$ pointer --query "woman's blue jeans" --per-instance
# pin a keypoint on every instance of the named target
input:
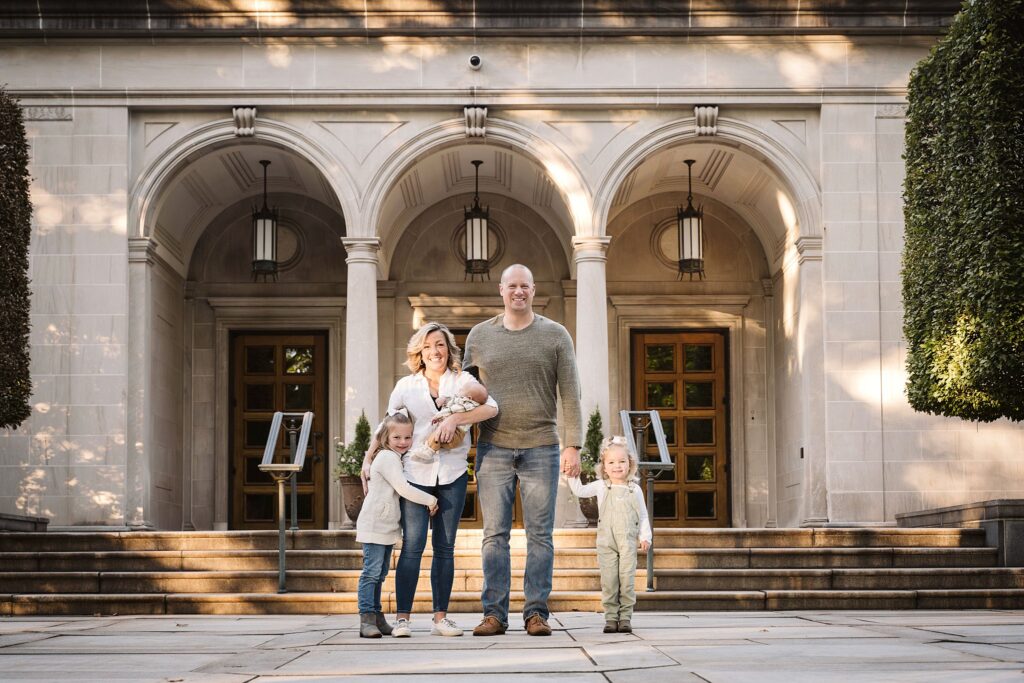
(451, 498)
(376, 560)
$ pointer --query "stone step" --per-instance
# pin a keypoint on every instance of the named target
(560, 601)
(565, 558)
(342, 581)
(470, 539)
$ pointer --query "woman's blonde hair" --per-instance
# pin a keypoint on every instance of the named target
(617, 442)
(383, 433)
(419, 340)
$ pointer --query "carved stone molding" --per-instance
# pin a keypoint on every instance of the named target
(47, 114)
(245, 121)
(891, 111)
(476, 122)
(707, 120)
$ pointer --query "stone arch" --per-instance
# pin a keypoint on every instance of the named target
(795, 176)
(566, 176)
(150, 186)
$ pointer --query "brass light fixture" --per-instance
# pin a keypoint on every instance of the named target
(264, 237)
(477, 235)
(690, 227)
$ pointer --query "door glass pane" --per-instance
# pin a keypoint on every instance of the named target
(259, 507)
(256, 433)
(700, 468)
(668, 426)
(253, 474)
(699, 394)
(298, 360)
(306, 475)
(304, 503)
(298, 397)
(661, 358)
(700, 504)
(700, 430)
(698, 358)
(665, 475)
(665, 505)
(661, 395)
(259, 397)
(259, 360)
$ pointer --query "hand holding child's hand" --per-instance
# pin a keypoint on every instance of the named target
(432, 509)
(645, 546)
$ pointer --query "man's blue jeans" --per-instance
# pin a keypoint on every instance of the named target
(451, 499)
(376, 559)
(497, 470)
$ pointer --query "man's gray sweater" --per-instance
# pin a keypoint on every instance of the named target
(522, 369)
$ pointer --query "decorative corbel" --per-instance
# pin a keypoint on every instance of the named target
(245, 121)
(707, 120)
(476, 122)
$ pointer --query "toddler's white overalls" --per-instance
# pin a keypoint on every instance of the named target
(618, 526)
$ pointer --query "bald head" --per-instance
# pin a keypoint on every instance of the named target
(516, 271)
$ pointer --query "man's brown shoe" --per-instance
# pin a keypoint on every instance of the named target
(490, 626)
(536, 625)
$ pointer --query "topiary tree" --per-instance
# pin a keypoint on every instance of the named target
(963, 263)
(592, 444)
(15, 231)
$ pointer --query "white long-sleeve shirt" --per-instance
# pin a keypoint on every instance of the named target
(412, 393)
(599, 488)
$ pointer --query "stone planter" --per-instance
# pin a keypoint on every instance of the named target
(351, 496)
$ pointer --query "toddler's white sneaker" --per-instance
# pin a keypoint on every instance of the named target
(445, 627)
(401, 629)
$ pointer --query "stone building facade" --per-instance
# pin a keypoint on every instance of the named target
(156, 356)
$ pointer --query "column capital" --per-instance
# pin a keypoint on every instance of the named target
(590, 248)
(361, 249)
(141, 250)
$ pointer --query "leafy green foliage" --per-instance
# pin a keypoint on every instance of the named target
(15, 232)
(349, 458)
(963, 263)
(591, 445)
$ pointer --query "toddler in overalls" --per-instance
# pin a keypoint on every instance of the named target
(622, 528)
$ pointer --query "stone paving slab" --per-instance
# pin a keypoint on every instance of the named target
(726, 647)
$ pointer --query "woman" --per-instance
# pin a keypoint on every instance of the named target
(435, 362)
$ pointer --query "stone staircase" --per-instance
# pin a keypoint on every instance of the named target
(712, 569)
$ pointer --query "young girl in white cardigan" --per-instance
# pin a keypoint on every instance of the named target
(378, 527)
(622, 527)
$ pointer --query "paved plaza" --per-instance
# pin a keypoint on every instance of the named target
(983, 646)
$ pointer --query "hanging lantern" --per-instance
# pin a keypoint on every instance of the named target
(690, 226)
(478, 246)
(264, 237)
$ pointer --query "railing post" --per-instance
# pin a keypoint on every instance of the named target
(640, 428)
(293, 436)
(281, 587)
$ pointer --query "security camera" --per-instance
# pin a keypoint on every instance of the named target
(475, 62)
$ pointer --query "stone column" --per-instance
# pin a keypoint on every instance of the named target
(361, 383)
(591, 254)
(811, 342)
(138, 489)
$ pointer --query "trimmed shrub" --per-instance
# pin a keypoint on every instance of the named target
(15, 231)
(963, 262)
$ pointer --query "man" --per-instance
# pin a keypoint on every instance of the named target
(527, 363)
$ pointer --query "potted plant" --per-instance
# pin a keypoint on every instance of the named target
(348, 463)
(588, 461)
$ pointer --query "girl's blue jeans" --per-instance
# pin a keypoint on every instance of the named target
(376, 560)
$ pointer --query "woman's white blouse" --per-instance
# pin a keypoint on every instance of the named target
(412, 393)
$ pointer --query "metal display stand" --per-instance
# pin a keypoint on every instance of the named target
(298, 439)
(634, 425)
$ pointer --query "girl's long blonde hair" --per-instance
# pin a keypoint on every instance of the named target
(383, 433)
(419, 339)
(617, 442)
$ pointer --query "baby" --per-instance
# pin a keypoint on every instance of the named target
(472, 395)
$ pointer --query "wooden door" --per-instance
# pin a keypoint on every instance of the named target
(269, 373)
(683, 376)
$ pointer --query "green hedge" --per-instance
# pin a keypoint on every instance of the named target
(963, 262)
(15, 230)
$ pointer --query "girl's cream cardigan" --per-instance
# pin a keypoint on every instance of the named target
(380, 517)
